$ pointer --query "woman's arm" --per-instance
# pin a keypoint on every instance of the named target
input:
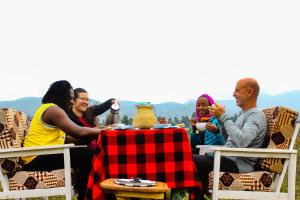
(58, 117)
(95, 110)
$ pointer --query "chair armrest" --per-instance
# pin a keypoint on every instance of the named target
(203, 149)
(254, 152)
(37, 150)
(79, 146)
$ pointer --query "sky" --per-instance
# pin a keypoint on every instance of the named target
(156, 51)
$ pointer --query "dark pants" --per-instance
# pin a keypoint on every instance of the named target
(205, 165)
(81, 158)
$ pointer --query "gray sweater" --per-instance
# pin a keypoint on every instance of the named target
(249, 130)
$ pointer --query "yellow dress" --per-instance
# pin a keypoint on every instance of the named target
(42, 134)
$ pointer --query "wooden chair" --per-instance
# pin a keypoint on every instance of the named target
(20, 184)
(276, 158)
(125, 192)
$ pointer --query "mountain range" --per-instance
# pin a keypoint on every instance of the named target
(170, 109)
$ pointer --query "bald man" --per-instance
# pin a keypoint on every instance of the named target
(248, 130)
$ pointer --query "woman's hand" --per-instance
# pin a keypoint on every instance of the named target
(211, 127)
(115, 101)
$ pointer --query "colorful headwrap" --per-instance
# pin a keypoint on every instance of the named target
(210, 101)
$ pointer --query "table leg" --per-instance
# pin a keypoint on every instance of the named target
(168, 194)
(122, 198)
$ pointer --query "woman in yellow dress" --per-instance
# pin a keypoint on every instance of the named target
(48, 126)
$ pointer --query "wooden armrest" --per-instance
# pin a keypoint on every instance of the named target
(254, 152)
(37, 150)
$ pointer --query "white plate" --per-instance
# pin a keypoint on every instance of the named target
(162, 125)
(122, 127)
(131, 183)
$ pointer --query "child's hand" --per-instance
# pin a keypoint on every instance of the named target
(211, 127)
(193, 121)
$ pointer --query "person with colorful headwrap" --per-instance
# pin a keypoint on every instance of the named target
(248, 131)
(212, 134)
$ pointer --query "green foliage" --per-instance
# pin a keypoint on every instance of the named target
(285, 183)
(130, 121)
(125, 120)
(176, 120)
(186, 121)
(298, 169)
(194, 114)
(170, 121)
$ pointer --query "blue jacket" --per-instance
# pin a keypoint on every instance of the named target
(206, 137)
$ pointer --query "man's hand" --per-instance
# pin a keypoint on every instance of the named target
(217, 110)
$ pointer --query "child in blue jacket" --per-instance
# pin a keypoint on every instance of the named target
(212, 134)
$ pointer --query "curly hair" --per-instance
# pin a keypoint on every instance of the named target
(59, 93)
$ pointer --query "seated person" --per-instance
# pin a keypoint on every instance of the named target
(248, 130)
(48, 126)
(84, 115)
(163, 120)
(212, 134)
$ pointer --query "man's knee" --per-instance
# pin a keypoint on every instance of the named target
(203, 163)
(201, 158)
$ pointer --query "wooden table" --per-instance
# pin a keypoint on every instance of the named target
(125, 192)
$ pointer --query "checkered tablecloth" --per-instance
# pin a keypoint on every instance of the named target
(160, 155)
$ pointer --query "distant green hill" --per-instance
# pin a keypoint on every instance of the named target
(170, 109)
(26, 104)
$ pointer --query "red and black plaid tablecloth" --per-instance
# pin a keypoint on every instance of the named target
(160, 154)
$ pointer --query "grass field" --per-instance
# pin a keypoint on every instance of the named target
(284, 188)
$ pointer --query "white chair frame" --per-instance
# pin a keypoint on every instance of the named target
(290, 163)
(38, 150)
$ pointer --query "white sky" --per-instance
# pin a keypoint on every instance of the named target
(153, 51)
